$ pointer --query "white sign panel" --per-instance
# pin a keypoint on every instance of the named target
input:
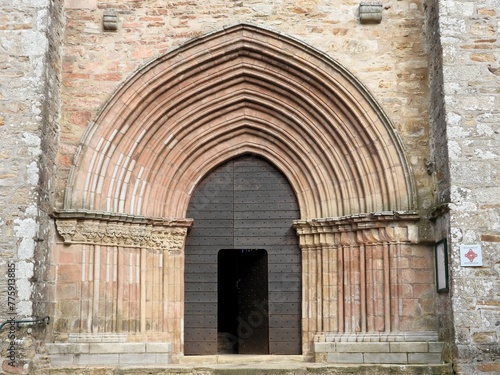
(471, 256)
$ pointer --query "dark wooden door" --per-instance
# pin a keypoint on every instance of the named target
(243, 204)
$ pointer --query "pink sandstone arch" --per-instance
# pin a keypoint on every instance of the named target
(236, 91)
(241, 90)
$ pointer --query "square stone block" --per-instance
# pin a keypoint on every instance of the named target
(158, 347)
(97, 359)
(409, 347)
(385, 358)
(162, 359)
(436, 347)
(423, 358)
(61, 359)
(67, 348)
(126, 347)
(344, 358)
(362, 347)
(324, 347)
(143, 359)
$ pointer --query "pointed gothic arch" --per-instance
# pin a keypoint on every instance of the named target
(241, 90)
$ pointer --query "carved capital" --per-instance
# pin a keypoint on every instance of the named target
(66, 229)
(382, 227)
(118, 230)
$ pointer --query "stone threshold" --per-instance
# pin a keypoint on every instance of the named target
(240, 359)
(263, 368)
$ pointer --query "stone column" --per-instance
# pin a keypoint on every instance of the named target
(364, 274)
(310, 290)
(120, 275)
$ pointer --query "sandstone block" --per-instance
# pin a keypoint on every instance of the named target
(385, 358)
(436, 347)
(409, 347)
(163, 359)
(97, 359)
(144, 358)
(344, 358)
(424, 358)
(362, 347)
(128, 347)
(67, 348)
(158, 347)
(323, 347)
(492, 367)
(61, 359)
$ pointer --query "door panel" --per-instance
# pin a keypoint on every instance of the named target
(245, 203)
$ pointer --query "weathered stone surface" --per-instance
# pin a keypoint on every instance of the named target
(29, 108)
(471, 99)
(258, 368)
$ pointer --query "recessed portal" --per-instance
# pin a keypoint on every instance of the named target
(242, 314)
(242, 280)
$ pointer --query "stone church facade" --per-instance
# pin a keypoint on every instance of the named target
(346, 150)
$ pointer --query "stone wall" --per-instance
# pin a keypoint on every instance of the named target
(389, 58)
(44, 285)
(28, 110)
(437, 165)
(469, 39)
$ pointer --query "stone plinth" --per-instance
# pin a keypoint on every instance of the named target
(109, 350)
(402, 348)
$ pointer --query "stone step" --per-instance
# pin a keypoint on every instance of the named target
(240, 359)
(253, 368)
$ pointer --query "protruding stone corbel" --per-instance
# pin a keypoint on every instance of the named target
(377, 227)
(370, 13)
(110, 20)
(67, 229)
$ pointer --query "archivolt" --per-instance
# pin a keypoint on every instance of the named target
(241, 90)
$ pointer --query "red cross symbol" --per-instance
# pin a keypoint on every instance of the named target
(471, 255)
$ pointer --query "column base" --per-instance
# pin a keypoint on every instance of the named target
(379, 348)
(108, 350)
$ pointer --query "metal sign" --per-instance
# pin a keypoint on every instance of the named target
(471, 256)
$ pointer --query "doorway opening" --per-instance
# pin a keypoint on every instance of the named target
(243, 206)
(242, 313)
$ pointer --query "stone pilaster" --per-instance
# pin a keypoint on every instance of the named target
(361, 274)
(120, 274)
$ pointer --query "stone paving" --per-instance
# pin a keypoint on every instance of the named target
(258, 365)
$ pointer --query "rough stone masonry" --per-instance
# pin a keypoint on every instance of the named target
(468, 37)
(29, 113)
